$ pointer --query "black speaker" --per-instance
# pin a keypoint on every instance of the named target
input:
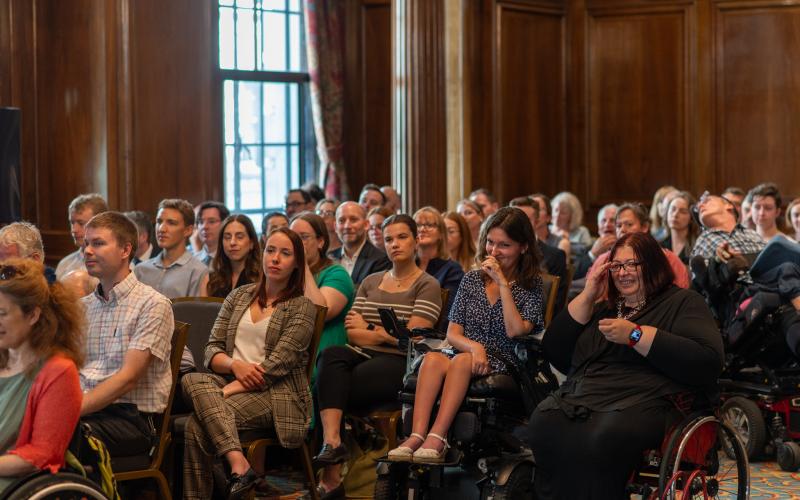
(9, 166)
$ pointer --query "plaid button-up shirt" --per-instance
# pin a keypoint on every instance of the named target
(742, 240)
(134, 317)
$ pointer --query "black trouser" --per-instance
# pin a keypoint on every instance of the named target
(348, 381)
(593, 458)
(122, 429)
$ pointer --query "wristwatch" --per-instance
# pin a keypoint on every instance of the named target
(635, 336)
(370, 326)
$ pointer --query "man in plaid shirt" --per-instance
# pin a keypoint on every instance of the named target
(723, 236)
(126, 378)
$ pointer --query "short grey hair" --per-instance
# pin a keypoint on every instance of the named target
(26, 237)
(606, 207)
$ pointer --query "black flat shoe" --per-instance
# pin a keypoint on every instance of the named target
(335, 493)
(239, 486)
(329, 455)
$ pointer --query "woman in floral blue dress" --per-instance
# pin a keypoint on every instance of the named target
(494, 305)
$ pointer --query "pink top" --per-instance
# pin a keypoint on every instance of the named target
(51, 415)
(678, 268)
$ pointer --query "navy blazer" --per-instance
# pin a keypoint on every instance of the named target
(370, 260)
(448, 273)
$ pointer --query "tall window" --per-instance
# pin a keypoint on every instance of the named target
(269, 140)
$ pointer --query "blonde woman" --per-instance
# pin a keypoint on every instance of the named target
(459, 243)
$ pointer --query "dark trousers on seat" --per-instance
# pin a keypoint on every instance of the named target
(123, 430)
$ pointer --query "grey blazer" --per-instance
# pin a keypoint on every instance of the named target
(286, 349)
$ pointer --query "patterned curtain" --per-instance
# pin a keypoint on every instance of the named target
(325, 47)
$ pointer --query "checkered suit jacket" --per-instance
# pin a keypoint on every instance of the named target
(286, 349)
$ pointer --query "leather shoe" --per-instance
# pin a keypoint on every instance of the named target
(239, 486)
(335, 493)
(329, 455)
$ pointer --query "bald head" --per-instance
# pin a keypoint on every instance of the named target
(351, 224)
(79, 282)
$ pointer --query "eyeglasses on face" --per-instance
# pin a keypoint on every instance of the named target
(426, 225)
(294, 204)
(326, 213)
(629, 266)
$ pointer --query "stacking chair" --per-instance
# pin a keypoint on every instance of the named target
(254, 441)
(149, 466)
(550, 292)
(200, 313)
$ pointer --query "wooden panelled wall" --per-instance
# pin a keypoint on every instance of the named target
(607, 98)
(117, 97)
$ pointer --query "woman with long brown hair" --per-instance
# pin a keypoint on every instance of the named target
(459, 241)
(257, 356)
(238, 258)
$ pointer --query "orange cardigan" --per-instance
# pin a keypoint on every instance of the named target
(51, 415)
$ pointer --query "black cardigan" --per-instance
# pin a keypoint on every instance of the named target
(686, 355)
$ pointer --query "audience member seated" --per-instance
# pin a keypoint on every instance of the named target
(606, 237)
(553, 260)
(473, 214)
(371, 375)
(375, 218)
(567, 220)
(542, 228)
(432, 254)
(297, 201)
(766, 210)
(146, 245)
(357, 255)
(209, 222)
(40, 394)
(722, 235)
(393, 201)
(493, 306)
(313, 190)
(371, 197)
(174, 272)
(633, 218)
(459, 241)
(126, 378)
(736, 196)
(326, 283)
(793, 218)
(326, 208)
(683, 229)
(746, 219)
(658, 212)
(237, 261)
(625, 357)
(79, 283)
(81, 209)
(257, 354)
(24, 241)
(485, 200)
(271, 222)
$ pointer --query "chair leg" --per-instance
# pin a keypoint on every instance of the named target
(309, 470)
(163, 486)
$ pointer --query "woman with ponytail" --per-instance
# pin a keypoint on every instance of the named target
(41, 348)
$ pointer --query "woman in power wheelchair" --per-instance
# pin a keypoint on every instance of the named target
(41, 344)
(625, 359)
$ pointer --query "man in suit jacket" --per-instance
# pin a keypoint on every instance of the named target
(357, 254)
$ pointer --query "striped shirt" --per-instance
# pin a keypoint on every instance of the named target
(134, 317)
(422, 299)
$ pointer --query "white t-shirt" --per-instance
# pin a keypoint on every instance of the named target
(250, 339)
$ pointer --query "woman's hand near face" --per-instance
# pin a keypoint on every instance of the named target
(250, 375)
(596, 282)
(480, 362)
(491, 267)
(616, 330)
(354, 321)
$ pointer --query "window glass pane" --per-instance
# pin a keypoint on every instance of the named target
(249, 116)
(274, 4)
(294, 113)
(294, 42)
(227, 40)
(250, 175)
(245, 34)
(230, 180)
(276, 174)
(275, 112)
(294, 151)
(294, 5)
(228, 110)
(226, 2)
(244, 3)
(274, 53)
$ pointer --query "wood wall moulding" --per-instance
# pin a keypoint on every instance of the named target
(757, 90)
(529, 120)
(639, 84)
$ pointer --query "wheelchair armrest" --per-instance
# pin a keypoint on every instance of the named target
(428, 333)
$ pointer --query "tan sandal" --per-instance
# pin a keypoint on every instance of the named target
(429, 455)
(404, 453)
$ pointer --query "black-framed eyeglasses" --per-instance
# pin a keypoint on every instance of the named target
(8, 272)
(629, 266)
(326, 213)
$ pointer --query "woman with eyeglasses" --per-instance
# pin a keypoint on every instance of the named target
(626, 357)
(326, 208)
(432, 254)
(41, 348)
(238, 258)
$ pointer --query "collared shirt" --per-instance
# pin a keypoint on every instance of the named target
(145, 256)
(182, 278)
(134, 317)
(70, 263)
(349, 263)
(204, 256)
(741, 239)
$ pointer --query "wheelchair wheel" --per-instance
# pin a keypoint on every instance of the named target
(61, 486)
(789, 456)
(518, 485)
(693, 468)
(390, 484)
(746, 419)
